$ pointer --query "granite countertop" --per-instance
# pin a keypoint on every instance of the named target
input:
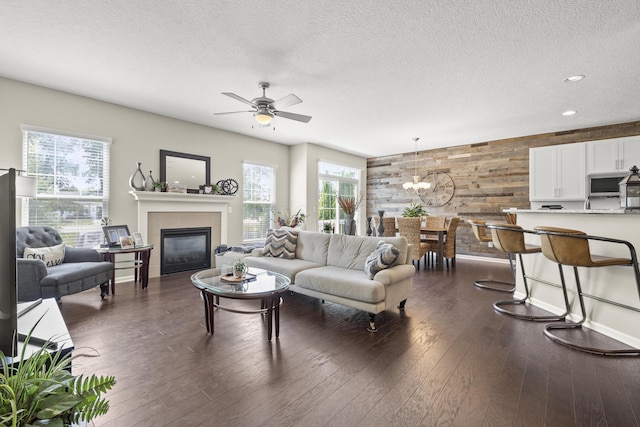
(576, 211)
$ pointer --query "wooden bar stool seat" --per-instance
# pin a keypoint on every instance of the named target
(571, 248)
(510, 239)
(479, 228)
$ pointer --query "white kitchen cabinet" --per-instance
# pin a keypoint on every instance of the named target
(613, 155)
(557, 172)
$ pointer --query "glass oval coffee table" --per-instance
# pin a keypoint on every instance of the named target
(262, 285)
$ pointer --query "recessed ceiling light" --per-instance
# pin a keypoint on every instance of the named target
(569, 113)
(574, 79)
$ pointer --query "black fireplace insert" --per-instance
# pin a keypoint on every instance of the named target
(184, 249)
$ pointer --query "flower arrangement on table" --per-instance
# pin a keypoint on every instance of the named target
(287, 220)
(349, 204)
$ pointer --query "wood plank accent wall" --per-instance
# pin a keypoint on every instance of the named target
(488, 177)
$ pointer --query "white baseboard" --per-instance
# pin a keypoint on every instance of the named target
(483, 259)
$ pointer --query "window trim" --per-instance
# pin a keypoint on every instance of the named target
(272, 202)
(105, 177)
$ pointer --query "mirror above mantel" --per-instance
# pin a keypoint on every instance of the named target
(190, 170)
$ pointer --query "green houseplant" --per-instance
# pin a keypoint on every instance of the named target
(240, 269)
(414, 210)
(39, 390)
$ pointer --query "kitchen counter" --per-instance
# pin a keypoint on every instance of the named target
(612, 283)
(576, 211)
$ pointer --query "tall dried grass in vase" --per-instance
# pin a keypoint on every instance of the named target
(349, 204)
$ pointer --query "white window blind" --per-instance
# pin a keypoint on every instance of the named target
(259, 189)
(72, 173)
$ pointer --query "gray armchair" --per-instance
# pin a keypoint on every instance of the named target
(81, 269)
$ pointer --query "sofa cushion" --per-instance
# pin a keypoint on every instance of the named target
(51, 255)
(286, 267)
(352, 251)
(313, 246)
(79, 275)
(281, 243)
(346, 283)
(384, 256)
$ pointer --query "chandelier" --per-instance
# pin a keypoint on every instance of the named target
(416, 187)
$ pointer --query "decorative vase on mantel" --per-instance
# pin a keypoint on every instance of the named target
(349, 225)
(137, 179)
(380, 226)
(369, 230)
(149, 183)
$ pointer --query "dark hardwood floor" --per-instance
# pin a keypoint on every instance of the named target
(448, 360)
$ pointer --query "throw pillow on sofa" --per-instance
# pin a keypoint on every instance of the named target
(384, 256)
(51, 255)
(281, 243)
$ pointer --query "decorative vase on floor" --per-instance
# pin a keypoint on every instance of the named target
(349, 225)
(369, 230)
(380, 226)
(136, 182)
(149, 183)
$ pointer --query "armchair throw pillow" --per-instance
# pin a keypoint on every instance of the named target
(51, 255)
(281, 243)
(384, 256)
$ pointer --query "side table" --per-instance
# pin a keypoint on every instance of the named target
(140, 263)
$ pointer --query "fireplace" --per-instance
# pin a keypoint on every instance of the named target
(184, 249)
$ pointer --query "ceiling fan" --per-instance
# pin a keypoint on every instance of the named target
(264, 109)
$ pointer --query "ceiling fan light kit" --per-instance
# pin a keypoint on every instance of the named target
(264, 118)
(265, 109)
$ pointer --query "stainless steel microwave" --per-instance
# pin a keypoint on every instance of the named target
(605, 185)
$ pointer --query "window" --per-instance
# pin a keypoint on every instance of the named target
(72, 175)
(259, 196)
(333, 179)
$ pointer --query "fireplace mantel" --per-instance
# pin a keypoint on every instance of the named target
(157, 196)
(153, 201)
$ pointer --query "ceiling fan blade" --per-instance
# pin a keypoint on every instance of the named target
(287, 101)
(234, 112)
(292, 116)
(239, 98)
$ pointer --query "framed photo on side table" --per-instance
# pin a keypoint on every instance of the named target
(137, 239)
(113, 233)
(126, 242)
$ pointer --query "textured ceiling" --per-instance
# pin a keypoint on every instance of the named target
(373, 74)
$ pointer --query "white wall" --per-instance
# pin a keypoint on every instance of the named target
(138, 136)
(304, 160)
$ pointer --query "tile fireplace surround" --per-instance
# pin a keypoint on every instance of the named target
(157, 211)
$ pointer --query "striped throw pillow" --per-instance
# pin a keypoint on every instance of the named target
(384, 256)
(281, 243)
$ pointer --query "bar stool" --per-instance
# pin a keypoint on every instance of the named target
(479, 228)
(510, 239)
(571, 248)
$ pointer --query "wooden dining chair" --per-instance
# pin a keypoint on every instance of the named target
(432, 221)
(449, 247)
(389, 224)
(409, 228)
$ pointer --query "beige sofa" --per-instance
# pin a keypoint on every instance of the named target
(331, 267)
